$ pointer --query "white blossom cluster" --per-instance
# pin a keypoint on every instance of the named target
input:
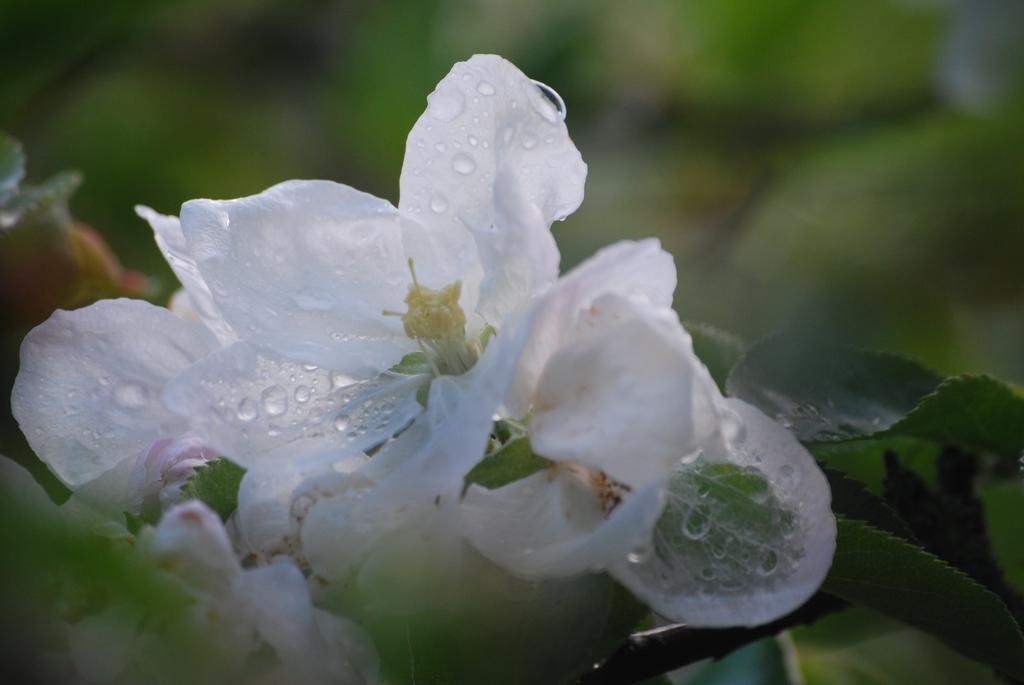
(358, 360)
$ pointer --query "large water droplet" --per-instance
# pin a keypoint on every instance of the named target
(548, 103)
(485, 88)
(463, 164)
(445, 105)
(302, 394)
(130, 395)
(341, 422)
(438, 204)
(247, 410)
(275, 400)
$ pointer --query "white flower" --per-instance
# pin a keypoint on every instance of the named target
(706, 509)
(288, 367)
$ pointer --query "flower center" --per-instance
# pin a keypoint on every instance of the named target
(437, 323)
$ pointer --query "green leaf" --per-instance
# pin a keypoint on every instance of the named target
(852, 500)
(514, 461)
(12, 166)
(875, 569)
(972, 411)
(412, 364)
(718, 349)
(216, 485)
(829, 393)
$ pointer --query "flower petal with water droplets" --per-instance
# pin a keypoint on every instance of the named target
(255, 407)
(307, 268)
(492, 154)
(746, 536)
(87, 395)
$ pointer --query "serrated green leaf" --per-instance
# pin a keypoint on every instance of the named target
(972, 411)
(12, 166)
(718, 349)
(829, 393)
(412, 364)
(216, 485)
(878, 570)
(851, 499)
(514, 461)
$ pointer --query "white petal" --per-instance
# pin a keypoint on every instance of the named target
(752, 559)
(312, 646)
(88, 392)
(257, 408)
(171, 241)
(637, 270)
(552, 524)
(307, 268)
(190, 540)
(628, 397)
(491, 153)
(272, 501)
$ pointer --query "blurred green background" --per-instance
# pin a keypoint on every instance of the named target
(852, 168)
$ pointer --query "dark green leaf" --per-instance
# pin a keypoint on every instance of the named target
(971, 411)
(875, 569)
(717, 349)
(852, 500)
(514, 461)
(216, 485)
(831, 393)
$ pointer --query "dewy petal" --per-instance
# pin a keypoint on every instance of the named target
(307, 268)
(552, 524)
(171, 241)
(638, 270)
(256, 408)
(628, 397)
(272, 500)
(492, 154)
(87, 395)
(746, 562)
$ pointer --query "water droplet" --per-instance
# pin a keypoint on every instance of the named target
(341, 422)
(275, 400)
(445, 105)
(247, 410)
(473, 140)
(527, 140)
(769, 562)
(463, 164)
(485, 88)
(310, 367)
(640, 554)
(697, 524)
(440, 147)
(548, 103)
(438, 204)
(707, 573)
(130, 395)
(302, 394)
